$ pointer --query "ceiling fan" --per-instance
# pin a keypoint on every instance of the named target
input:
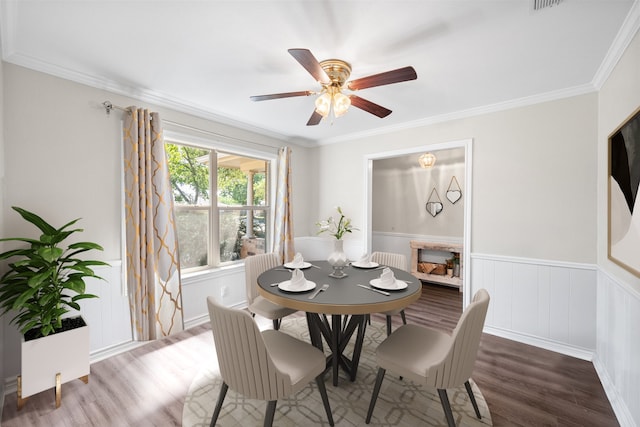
(332, 74)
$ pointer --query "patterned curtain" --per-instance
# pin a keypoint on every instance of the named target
(283, 222)
(153, 267)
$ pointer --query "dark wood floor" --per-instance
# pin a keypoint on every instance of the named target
(523, 385)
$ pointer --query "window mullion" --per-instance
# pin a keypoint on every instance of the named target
(214, 245)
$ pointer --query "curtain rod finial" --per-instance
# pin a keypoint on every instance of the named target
(108, 106)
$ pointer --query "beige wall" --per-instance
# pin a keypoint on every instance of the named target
(534, 175)
(64, 155)
(619, 97)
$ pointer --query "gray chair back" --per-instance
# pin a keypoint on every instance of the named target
(457, 365)
(390, 259)
(245, 364)
(254, 266)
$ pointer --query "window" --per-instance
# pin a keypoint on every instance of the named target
(222, 212)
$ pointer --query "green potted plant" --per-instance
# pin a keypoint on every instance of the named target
(44, 281)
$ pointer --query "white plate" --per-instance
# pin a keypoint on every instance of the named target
(398, 285)
(359, 264)
(291, 266)
(286, 286)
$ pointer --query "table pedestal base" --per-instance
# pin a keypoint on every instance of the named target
(337, 334)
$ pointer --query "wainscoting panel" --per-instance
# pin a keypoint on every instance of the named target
(108, 316)
(548, 304)
(544, 303)
(618, 347)
(226, 284)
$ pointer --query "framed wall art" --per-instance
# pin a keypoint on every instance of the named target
(623, 207)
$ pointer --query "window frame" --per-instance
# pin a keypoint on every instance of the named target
(222, 145)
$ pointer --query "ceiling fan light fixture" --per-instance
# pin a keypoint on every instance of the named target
(332, 74)
(427, 160)
(341, 103)
(323, 104)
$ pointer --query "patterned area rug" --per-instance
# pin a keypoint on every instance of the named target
(400, 402)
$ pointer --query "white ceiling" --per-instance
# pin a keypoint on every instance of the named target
(208, 57)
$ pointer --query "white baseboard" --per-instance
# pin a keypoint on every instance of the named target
(617, 402)
(10, 386)
(196, 321)
(114, 350)
(558, 347)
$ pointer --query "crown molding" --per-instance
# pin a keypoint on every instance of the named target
(624, 37)
(7, 23)
(144, 95)
(163, 100)
(464, 114)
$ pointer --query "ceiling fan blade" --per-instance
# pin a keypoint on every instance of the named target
(314, 119)
(280, 95)
(386, 78)
(369, 107)
(311, 64)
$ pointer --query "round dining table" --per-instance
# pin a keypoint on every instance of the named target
(347, 300)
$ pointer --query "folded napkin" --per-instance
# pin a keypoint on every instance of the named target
(365, 260)
(297, 279)
(387, 278)
(298, 261)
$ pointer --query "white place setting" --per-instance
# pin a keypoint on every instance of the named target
(388, 282)
(297, 283)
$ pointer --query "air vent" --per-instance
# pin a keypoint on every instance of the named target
(541, 4)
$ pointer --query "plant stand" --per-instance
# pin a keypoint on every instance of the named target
(51, 361)
(22, 401)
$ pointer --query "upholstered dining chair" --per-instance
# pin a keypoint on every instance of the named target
(434, 358)
(255, 265)
(267, 365)
(398, 261)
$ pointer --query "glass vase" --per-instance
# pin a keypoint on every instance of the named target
(338, 260)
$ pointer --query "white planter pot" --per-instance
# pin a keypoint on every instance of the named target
(65, 353)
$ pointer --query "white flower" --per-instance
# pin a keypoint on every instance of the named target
(338, 229)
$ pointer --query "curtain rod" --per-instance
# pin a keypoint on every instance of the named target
(108, 106)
